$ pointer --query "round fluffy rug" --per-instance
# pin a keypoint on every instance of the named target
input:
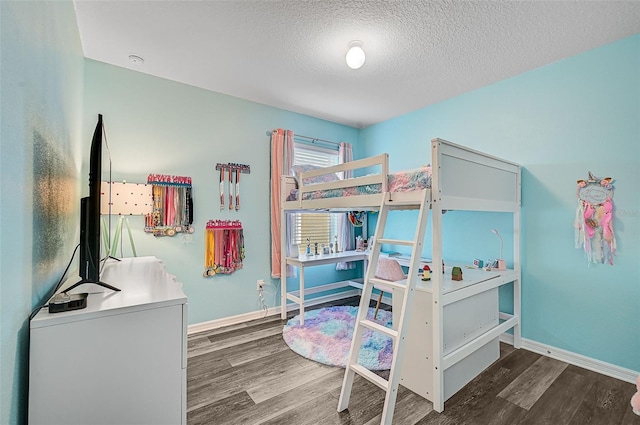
(326, 337)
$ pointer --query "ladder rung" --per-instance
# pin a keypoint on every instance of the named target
(370, 376)
(374, 326)
(396, 242)
(387, 283)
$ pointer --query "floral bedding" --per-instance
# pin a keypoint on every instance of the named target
(401, 181)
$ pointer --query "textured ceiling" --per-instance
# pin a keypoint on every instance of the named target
(290, 54)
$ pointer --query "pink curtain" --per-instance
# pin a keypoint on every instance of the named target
(281, 162)
(347, 234)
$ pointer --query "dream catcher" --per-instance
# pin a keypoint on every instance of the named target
(594, 219)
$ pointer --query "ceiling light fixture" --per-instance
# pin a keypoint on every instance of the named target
(136, 59)
(355, 55)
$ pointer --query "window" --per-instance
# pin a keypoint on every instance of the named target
(319, 227)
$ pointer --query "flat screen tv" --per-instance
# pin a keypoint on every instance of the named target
(90, 218)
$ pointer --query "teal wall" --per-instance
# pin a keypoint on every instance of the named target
(41, 117)
(158, 126)
(560, 121)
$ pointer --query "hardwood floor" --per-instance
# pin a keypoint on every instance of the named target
(246, 374)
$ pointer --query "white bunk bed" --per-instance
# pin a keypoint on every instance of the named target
(452, 327)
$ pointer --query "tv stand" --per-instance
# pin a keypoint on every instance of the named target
(120, 360)
(83, 281)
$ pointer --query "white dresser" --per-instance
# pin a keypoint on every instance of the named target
(121, 360)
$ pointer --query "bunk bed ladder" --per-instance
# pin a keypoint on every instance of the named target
(398, 334)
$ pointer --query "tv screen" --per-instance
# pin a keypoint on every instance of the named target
(90, 217)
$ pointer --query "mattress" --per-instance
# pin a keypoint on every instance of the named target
(401, 181)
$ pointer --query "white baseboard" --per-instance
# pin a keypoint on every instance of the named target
(575, 359)
(226, 321)
(246, 317)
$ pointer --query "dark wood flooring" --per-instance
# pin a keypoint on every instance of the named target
(246, 374)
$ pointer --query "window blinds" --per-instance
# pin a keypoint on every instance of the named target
(318, 227)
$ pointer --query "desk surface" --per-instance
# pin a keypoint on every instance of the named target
(320, 259)
(143, 282)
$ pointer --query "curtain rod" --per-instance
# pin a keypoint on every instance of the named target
(312, 139)
(315, 139)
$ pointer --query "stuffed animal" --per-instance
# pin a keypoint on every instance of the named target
(635, 399)
(456, 273)
(426, 272)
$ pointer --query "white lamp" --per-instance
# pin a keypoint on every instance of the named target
(355, 55)
(501, 263)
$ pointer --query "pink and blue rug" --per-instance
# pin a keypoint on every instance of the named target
(327, 333)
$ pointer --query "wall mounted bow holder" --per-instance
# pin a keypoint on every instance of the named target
(231, 169)
(172, 205)
(224, 247)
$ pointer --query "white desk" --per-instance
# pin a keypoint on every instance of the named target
(304, 261)
(320, 259)
(121, 360)
(471, 309)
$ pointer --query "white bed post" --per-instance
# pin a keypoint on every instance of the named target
(438, 311)
(517, 310)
